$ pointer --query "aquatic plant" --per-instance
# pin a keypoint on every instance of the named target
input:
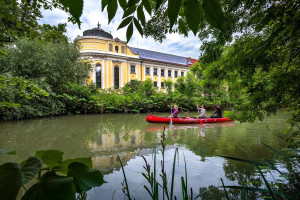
(48, 177)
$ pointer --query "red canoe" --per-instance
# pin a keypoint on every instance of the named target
(184, 120)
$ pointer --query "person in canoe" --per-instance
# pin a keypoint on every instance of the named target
(218, 113)
(202, 112)
(175, 111)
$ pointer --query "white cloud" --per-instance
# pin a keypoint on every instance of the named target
(174, 43)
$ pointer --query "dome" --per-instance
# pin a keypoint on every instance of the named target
(97, 32)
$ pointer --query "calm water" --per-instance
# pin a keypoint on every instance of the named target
(103, 136)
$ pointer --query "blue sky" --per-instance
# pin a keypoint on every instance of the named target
(174, 43)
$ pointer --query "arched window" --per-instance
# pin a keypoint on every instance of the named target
(116, 77)
(98, 75)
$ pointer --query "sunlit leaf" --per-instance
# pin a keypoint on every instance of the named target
(173, 10)
(112, 9)
(213, 13)
(141, 15)
(51, 158)
(191, 9)
(52, 186)
(129, 32)
(125, 22)
(138, 26)
(13, 176)
(84, 178)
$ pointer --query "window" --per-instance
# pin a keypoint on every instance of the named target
(162, 85)
(162, 72)
(117, 48)
(176, 73)
(98, 75)
(123, 49)
(182, 73)
(169, 73)
(132, 69)
(155, 84)
(155, 71)
(116, 76)
(110, 47)
(147, 71)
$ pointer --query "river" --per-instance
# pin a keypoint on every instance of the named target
(104, 136)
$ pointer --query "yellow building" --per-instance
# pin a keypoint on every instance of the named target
(115, 64)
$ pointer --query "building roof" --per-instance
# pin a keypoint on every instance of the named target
(97, 32)
(193, 61)
(161, 57)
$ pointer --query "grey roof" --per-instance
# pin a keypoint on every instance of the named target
(161, 57)
(97, 32)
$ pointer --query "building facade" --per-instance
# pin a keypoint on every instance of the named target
(115, 64)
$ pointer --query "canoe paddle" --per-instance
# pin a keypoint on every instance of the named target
(171, 118)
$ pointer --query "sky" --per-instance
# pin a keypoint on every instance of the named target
(174, 43)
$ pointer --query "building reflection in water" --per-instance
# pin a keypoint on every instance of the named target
(106, 143)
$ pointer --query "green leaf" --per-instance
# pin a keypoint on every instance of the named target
(75, 8)
(173, 10)
(213, 13)
(129, 32)
(112, 9)
(123, 4)
(191, 8)
(104, 3)
(13, 176)
(147, 6)
(138, 26)
(125, 22)
(132, 3)
(2, 151)
(141, 15)
(129, 11)
(84, 178)
(158, 3)
(52, 186)
(182, 27)
(51, 158)
(63, 168)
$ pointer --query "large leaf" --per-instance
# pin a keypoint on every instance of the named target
(191, 9)
(13, 176)
(125, 22)
(75, 8)
(213, 13)
(158, 3)
(112, 9)
(63, 168)
(104, 3)
(138, 26)
(51, 158)
(129, 11)
(132, 3)
(52, 186)
(84, 178)
(129, 32)
(147, 6)
(123, 4)
(173, 10)
(141, 15)
(2, 151)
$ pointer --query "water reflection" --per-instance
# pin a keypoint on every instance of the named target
(102, 137)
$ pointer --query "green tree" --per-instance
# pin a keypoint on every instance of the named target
(54, 64)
